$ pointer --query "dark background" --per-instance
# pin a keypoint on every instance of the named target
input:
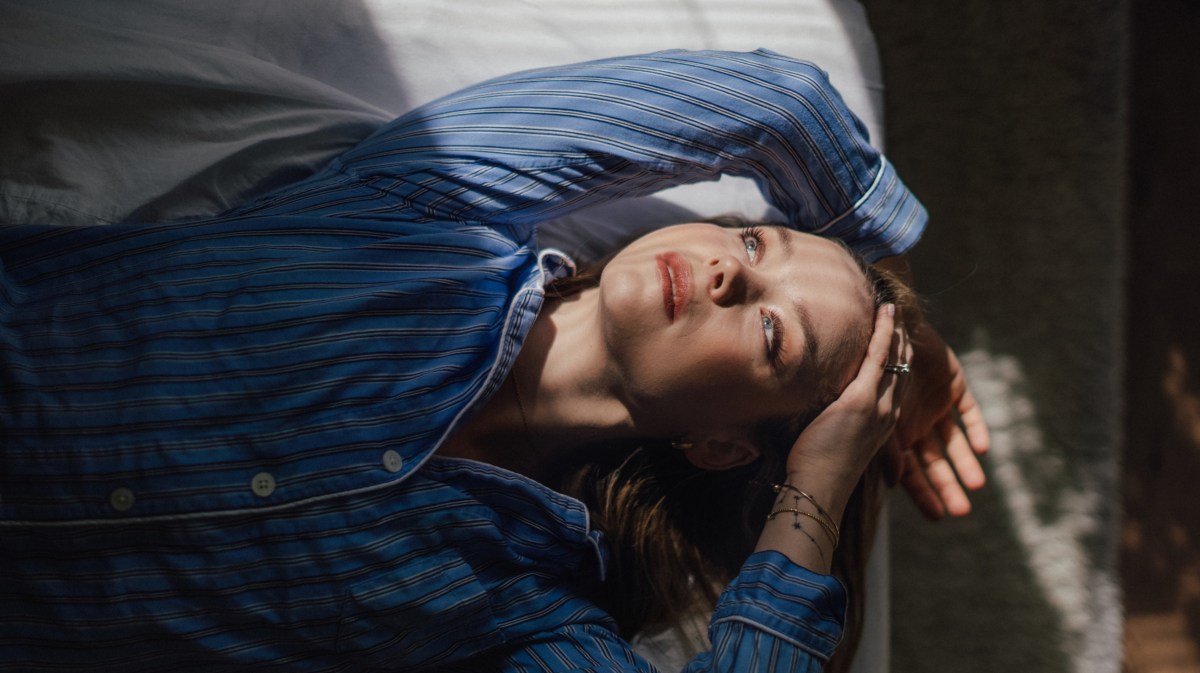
(1055, 145)
(1160, 551)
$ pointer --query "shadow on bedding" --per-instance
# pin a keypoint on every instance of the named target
(166, 110)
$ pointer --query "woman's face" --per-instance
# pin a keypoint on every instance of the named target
(711, 329)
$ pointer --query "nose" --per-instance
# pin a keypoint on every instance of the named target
(727, 280)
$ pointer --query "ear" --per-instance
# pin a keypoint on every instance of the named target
(719, 453)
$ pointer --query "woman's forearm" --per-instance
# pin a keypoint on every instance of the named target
(799, 528)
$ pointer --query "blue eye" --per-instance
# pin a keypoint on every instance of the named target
(773, 335)
(753, 240)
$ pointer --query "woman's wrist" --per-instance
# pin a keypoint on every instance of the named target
(802, 541)
(804, 522)
(832, 492)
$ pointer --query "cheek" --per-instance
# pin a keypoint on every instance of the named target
(702, 374)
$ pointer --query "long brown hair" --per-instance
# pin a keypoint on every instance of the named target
(678, 534)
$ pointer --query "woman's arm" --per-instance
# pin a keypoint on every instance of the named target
(828, 459)
(536, 145)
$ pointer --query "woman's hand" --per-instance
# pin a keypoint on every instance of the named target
(941, 433)
(831, 454)
(934, 457)
(834, 450)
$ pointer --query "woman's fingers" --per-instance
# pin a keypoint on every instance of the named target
(938, 468)
(880, 344)
(889, 345)
(962, 456)
(870, 386)
(913, 479)
(943, 432)
(900, 354)
(972, 419)
(940, 473)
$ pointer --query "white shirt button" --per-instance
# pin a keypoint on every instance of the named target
(392, 461)
(263, 484)
(121, 499)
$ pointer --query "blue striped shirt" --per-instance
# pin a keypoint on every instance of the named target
(217, 435)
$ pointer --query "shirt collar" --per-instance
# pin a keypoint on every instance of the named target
(555, 265)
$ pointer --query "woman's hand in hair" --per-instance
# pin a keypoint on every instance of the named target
(837, 446)
(829, 457)
(941, 433)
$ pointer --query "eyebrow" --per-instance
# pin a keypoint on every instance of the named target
(805, 318)
(806, 324)
(785, 239)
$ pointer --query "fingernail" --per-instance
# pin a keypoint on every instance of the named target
(891, 310)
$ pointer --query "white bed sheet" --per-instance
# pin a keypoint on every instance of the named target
(166, 109)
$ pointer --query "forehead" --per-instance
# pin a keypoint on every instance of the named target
(821, 271)
(805, 243)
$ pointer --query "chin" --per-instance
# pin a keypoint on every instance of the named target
(628, 305)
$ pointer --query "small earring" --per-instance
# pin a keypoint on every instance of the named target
(681, 444)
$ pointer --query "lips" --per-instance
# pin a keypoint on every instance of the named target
(676, 276)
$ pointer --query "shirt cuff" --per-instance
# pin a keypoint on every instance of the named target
(775, 596)
(886, 221)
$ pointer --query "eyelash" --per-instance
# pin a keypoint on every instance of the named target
(771, 321)
(754, 234)
(772, 325)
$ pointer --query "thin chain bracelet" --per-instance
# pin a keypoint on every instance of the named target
(827, 523)
(779, 488)
(805, 533)
(831, 533)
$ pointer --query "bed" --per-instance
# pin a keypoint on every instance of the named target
(170, 109)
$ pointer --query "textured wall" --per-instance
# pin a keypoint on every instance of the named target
(1008, 120)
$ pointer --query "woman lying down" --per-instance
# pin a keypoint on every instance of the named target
(362, 423)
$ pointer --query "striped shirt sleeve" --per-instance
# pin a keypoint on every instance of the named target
(536, 145)
(775, 616)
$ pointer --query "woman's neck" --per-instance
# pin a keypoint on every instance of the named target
(558, 397)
